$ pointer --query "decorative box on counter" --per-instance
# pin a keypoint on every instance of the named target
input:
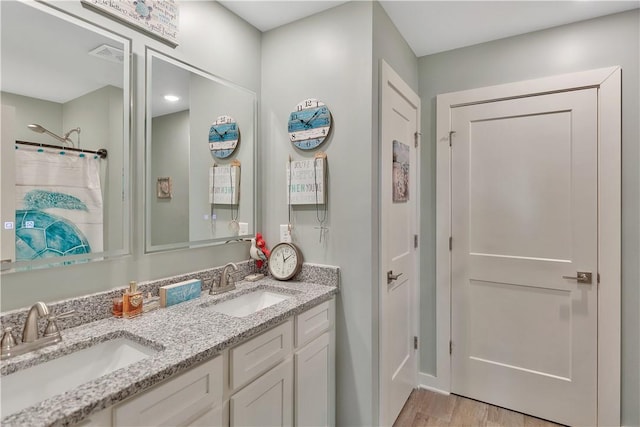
(180, 292)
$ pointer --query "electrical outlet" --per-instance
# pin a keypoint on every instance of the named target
(285, 235)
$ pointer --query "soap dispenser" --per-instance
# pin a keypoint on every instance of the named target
(132, 301)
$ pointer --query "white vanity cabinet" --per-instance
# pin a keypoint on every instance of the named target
(285, 376)
(193, 398)
(282, 377)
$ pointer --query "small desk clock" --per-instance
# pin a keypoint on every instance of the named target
(223, 137)
(285, 261)
(309, 124)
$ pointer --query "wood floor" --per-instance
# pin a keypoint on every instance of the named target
(426, 408)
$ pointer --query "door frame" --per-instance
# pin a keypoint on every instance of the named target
(389, 77)
(608, 81)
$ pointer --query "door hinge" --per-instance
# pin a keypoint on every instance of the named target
(416, 136)
(415, 241)
(451, 137)
(450, 347)
(450, 243)
(598, 276)
(415, 343)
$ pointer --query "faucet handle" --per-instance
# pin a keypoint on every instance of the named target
(8, 339)
(52, 325)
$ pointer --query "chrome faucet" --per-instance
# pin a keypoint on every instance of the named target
(227, 282)
(31, 339)
(30, 331)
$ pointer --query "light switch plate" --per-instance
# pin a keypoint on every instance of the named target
(285, 235)
(244, 228)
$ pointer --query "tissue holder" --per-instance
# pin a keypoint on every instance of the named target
(179, 292)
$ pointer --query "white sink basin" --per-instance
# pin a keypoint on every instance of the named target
(250, 303)
(32, 385)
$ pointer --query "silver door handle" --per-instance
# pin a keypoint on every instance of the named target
(391, 277)
(581, 277)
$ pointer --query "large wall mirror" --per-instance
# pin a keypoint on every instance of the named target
(64, 153)
(201, 157)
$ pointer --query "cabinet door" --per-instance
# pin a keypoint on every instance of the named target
(177, 401)
(266, 402)
(211, 418)
(314, 391)
(259, 354)
(314, 321)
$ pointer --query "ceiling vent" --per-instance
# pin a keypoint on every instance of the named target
(109, 53)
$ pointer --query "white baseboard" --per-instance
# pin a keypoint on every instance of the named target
(429, 382)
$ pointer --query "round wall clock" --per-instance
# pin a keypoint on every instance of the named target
(309, 124)
(223, 137)
(285, 261)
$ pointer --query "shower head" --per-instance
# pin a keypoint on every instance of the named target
(36, 128)
(40, 129)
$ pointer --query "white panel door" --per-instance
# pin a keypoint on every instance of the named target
(400, 114)
(524, 218)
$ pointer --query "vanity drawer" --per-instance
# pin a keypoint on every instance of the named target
(314, 321)
(259, 354)
(176, 401)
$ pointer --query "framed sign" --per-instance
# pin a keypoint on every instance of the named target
(306, 182)
(157, 18)
(224, 185)
(163, 187)
(400, 172)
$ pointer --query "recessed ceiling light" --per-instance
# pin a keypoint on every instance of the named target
(171, 98)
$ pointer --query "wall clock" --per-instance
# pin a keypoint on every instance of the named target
(223, 137)
(309, 124)
(285, 261)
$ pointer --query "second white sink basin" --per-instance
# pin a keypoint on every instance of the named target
(246, 304)
(37, 383)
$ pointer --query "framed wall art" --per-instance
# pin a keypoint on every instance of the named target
(163, 187)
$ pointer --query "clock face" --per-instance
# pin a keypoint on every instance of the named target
(309, 124)
(285, 261)
(223, 137)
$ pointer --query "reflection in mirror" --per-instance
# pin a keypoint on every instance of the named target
(201, 145)
(65, 139)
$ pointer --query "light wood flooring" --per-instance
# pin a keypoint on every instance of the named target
(426, 408)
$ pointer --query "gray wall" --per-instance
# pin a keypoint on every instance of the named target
(603, 42)
(99, 116)
(208, 32)
(328, 56)
(341, 68)
(170, 157)
(33, 110)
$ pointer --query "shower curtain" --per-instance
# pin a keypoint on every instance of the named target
(58, 203)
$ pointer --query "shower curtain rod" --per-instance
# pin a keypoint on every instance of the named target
(102, 152)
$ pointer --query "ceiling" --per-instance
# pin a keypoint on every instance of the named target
(436, 26)
(35, 58)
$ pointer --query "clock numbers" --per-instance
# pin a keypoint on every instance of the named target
(223, 136)
(309, 124)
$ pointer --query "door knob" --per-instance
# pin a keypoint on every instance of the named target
(391, 277)
(581, 277)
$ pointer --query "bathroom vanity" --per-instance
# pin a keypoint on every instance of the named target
(262, 354)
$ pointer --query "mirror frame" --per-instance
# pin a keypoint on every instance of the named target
(127, 129)
(149, 184)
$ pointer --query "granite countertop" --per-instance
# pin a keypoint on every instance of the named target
(184, 334)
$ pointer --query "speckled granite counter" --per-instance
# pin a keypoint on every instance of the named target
(185, 335)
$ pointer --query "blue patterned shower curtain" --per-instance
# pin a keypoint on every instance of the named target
(59, 208)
